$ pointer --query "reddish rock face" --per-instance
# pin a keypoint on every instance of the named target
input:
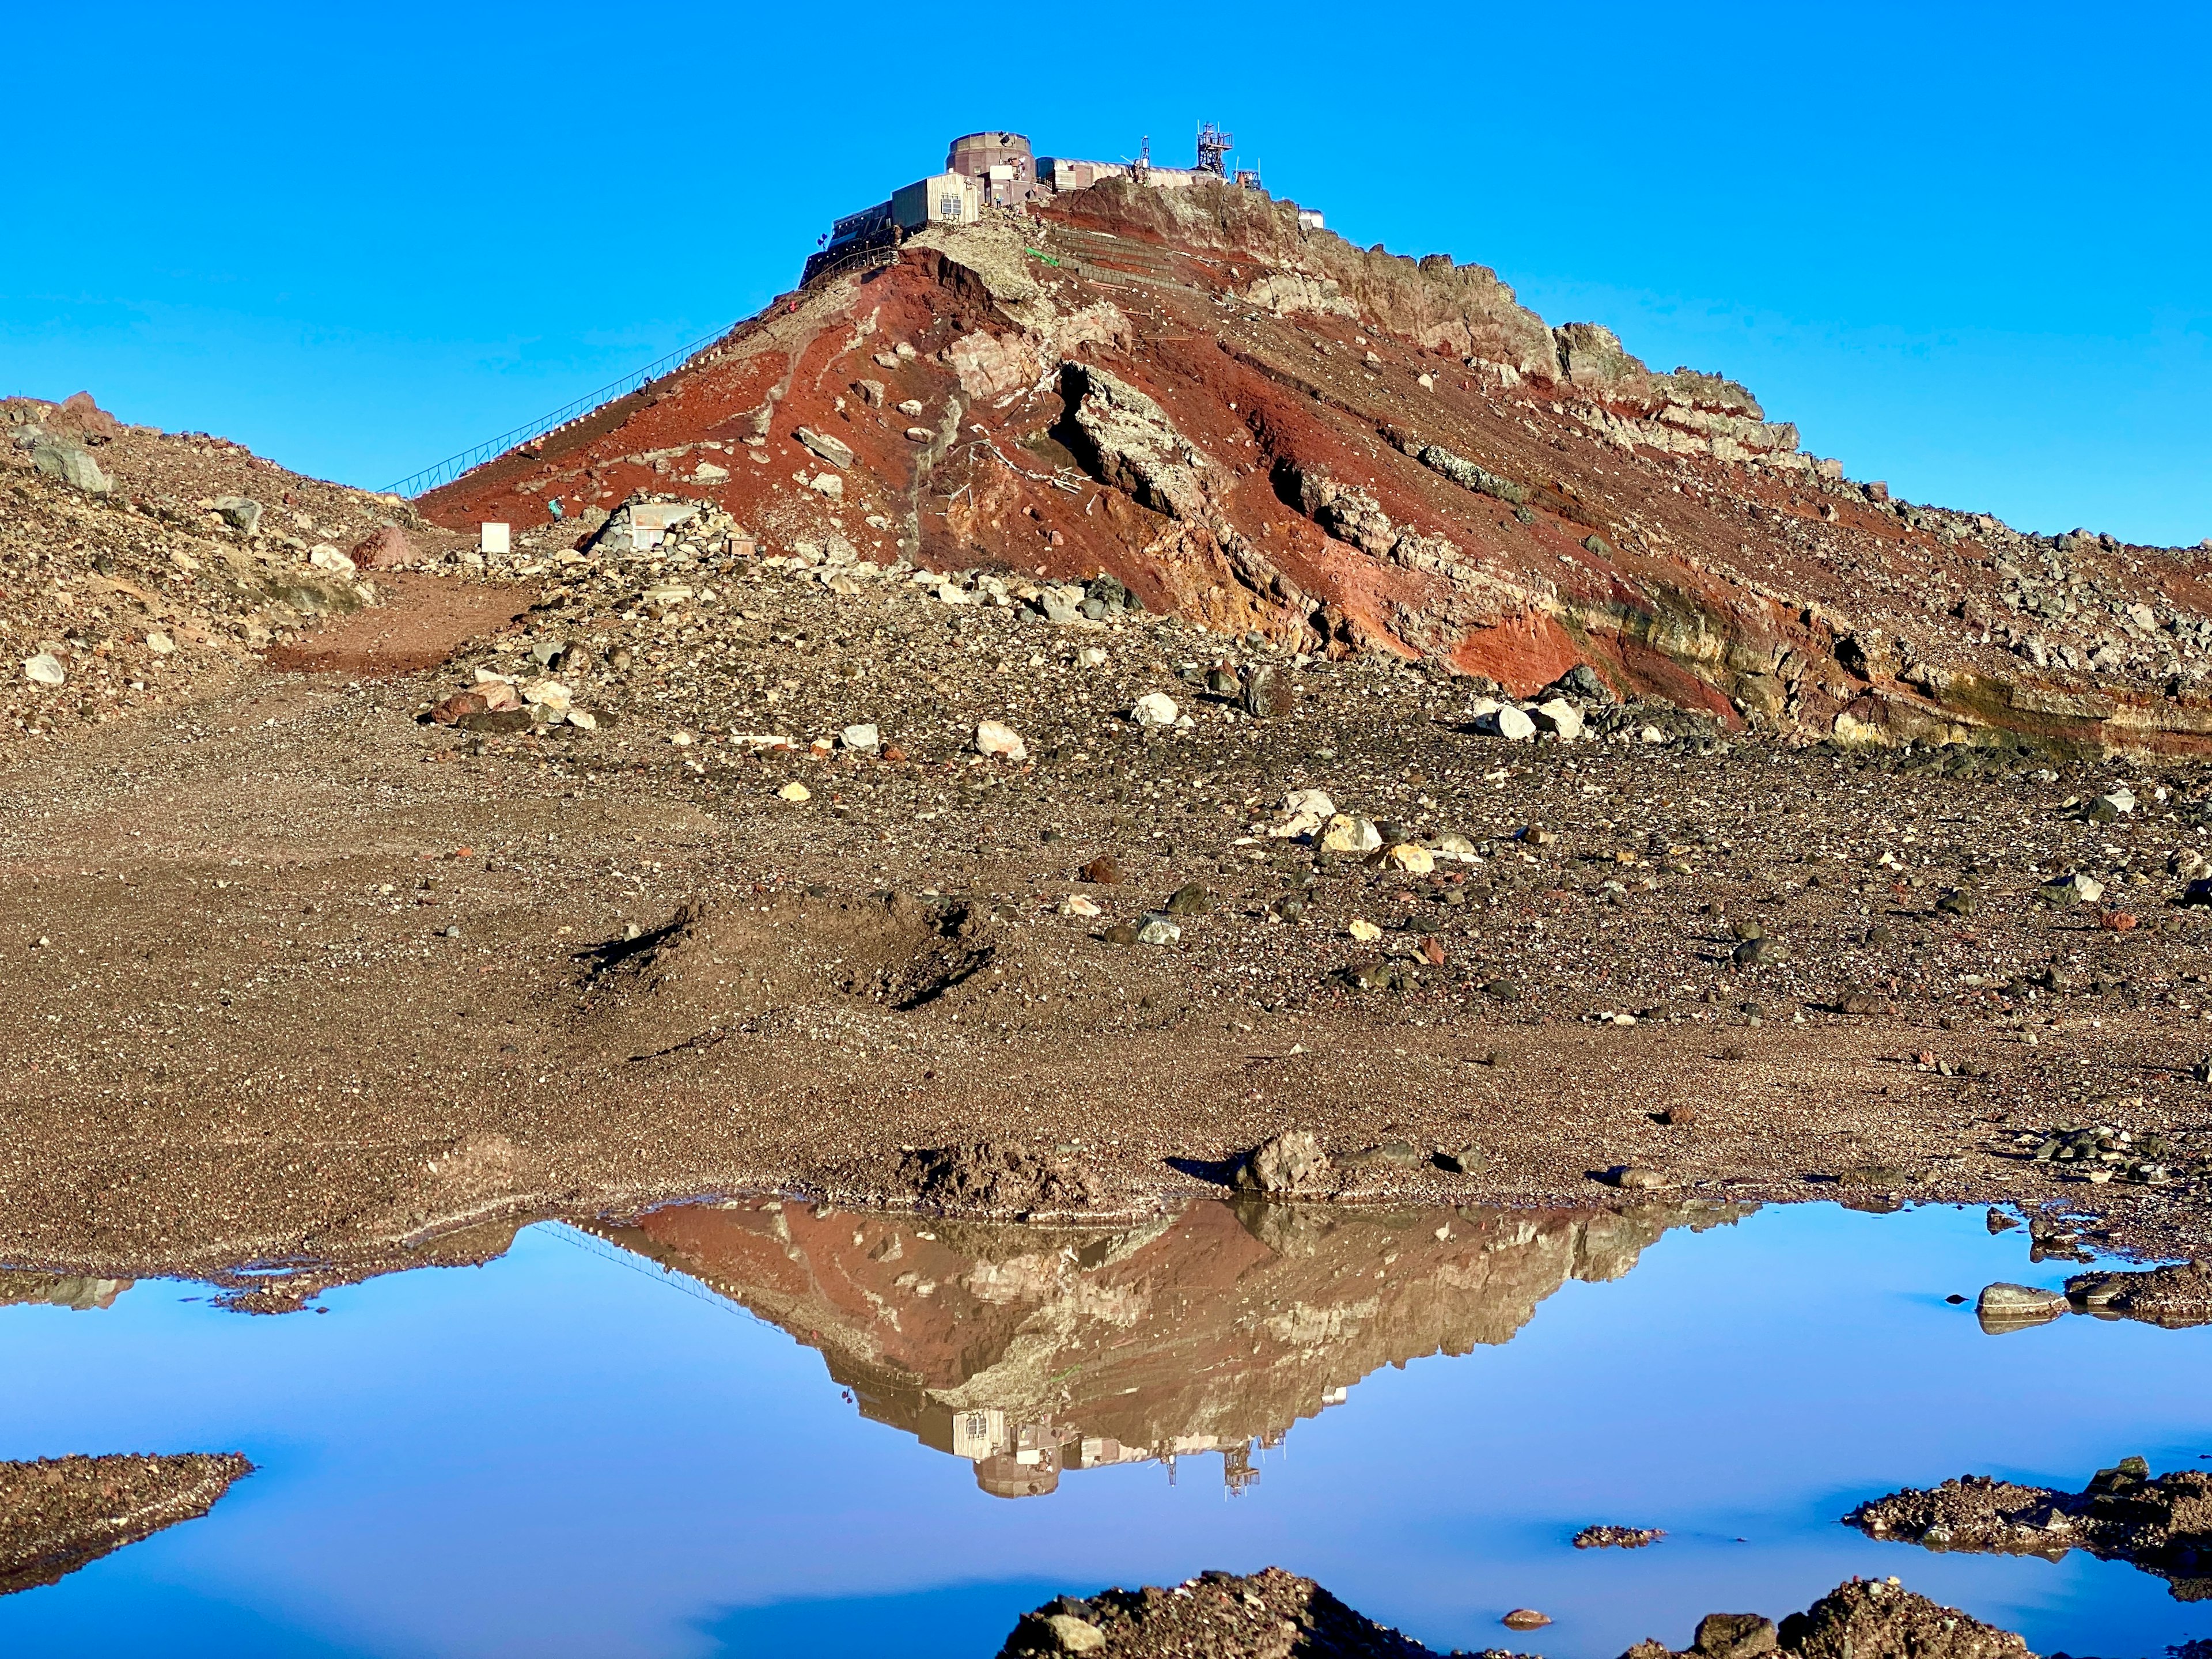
(1264, 428)
(384, 548)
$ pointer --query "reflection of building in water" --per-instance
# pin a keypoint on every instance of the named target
(1029, 1351)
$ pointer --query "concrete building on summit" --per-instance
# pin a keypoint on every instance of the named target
(1000, 163)
(985, 170)
(947, 198)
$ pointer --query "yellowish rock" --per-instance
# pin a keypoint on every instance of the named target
(1364, 931)
(795, 791)
(1345, 834)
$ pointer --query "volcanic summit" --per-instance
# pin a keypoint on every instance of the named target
(1048, 370)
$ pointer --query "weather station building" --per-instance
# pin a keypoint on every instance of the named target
(999, 170)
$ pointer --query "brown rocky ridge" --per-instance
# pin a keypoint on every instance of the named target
(1264, 430)
(1273, 1615)
(59, 1514)
(2162, 1525)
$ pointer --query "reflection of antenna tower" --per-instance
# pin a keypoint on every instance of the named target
(1213, 148)
(1144, 159)
(1236, 1470)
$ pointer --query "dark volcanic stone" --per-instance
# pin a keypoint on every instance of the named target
(1189, 900)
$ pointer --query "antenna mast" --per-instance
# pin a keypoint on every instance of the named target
(1213, 148)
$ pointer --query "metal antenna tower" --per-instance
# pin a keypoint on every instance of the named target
(1213, 148)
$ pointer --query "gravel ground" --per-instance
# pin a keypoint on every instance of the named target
(2162, 1525)
(59, 1514)
(298, 970)
(1273, 1615)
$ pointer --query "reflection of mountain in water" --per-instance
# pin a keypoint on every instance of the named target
(1028, 1349)
(18, 1287)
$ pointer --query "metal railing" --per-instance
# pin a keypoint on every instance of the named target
(452, 466)
(858, 259)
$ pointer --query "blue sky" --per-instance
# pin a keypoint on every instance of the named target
(1963, 246)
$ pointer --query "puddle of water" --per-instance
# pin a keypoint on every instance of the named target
(573, 1450)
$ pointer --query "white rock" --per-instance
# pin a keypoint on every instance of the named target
(1364, 931)
(1154, 708)
(2120, 801)
(1091, 656)
(1414, 860)
(1076, 904)
(993, 738)
(324, 557)
(1304, 811)
(1158, 930)
(44, 668)
(582, 720)
(861, 737)
(160, 643)
(1559, 716)
(1652, 734)
(795, 791)
(551, 695)
(830, 484)
(1510, 723)
(1455, 847)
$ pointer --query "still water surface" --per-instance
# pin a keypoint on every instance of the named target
(741, 1429)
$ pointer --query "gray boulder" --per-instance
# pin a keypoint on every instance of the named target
(1733, 1636)
(1292, 1161)
(73, 465)
(838, 454)
(2002, 1306)
(241, 513)
(1266, 694)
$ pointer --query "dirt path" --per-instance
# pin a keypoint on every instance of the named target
(423, 620)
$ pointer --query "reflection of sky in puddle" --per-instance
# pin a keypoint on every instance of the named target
(554, 1454)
